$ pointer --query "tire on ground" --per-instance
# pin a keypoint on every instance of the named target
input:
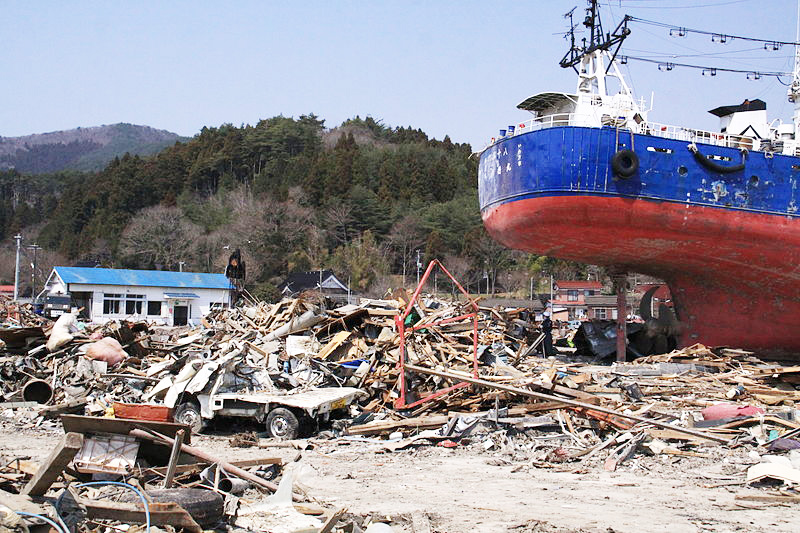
(282, 423)
(205, 507)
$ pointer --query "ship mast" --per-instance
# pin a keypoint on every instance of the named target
(794, 88)
(594, 61)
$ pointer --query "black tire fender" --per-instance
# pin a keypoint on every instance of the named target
(625, 163)
(282, 423)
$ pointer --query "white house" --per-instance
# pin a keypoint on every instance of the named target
(170, 298)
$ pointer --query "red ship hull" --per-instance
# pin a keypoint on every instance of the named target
(734, 275)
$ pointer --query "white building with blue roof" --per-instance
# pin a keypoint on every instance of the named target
(169, 298)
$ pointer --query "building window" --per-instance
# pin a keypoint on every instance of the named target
(115, 304)
(572, 296)
(588, 292)
(154, 308)
(134, 304)
(111, 303)
(600, 312)
(217, 305)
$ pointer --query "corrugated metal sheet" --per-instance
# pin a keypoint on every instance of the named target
(142, 278)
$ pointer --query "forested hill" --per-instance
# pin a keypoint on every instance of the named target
(360, 198)
(86, 149)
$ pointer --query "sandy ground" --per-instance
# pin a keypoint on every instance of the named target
(460, 489)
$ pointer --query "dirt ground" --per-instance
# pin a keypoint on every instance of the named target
(469, 489)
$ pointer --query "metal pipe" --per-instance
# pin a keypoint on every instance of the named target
(37, 391)
(568, 401)
(233, 485)
(200, 454)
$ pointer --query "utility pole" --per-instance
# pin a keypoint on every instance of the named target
(17, 238)
(620, 278)
(35, 247)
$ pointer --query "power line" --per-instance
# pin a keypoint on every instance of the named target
(707, 71)
(694, 6)
(680, 31)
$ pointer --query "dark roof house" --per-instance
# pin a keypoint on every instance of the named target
(324, 281)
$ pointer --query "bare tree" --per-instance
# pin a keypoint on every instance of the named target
(338, 220)
(461, 268)
(159, 236)
(268, 231)
(406, 237)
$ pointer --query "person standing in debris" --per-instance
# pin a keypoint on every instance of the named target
(236, 273)
(547, 329)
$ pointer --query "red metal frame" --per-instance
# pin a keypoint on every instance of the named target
(399, 321)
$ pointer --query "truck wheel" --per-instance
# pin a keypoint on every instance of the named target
(282, 424)
(189, 413)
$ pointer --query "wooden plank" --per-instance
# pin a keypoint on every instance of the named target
(575, 403)
(331, 522)
(334, 343)
(173, 459)
(421, 422)
(768, 498)
(120, 426)
(49, 471)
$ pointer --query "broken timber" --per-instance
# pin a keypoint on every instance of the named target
(63, 453)
(525, 392)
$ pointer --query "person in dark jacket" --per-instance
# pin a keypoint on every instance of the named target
(236, 272)
(547, 329)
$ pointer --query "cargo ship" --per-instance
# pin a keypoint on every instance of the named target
(713, 213)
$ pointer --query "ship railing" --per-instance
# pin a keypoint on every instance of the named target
(679, 133)
(548, 121)
(691, 135)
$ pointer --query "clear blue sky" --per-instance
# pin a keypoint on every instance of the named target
(448, 67)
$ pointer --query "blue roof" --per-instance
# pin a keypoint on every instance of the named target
(142, 278)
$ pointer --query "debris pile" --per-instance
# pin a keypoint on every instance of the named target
(396, 373)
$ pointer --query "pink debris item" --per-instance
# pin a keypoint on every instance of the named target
(729, 410)
(106, 349)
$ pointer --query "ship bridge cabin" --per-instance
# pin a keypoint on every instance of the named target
(748, 119)
(583, 109)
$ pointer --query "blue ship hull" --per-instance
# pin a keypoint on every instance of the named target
(727, 243)
(576, 161)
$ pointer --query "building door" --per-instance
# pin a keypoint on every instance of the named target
(180, 315)
(83, 300)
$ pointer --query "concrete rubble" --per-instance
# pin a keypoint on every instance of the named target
(127, 399)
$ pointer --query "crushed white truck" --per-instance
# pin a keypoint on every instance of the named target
(236, 385)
